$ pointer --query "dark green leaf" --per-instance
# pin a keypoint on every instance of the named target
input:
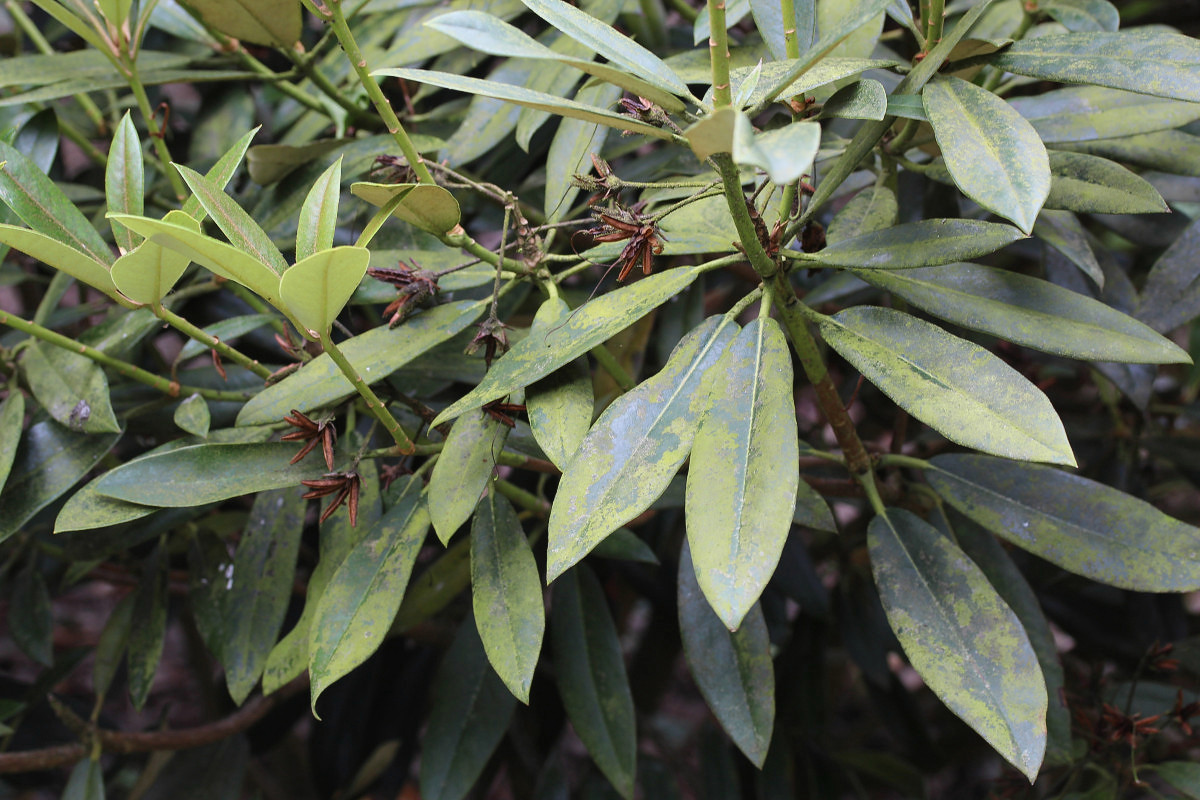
(12, 420)
(537, 355)
(49, 460)
(226, 330)
(927, 243)
(1028, 311)
(110, 649)
(1083, 15)
(318, 216)
(1174, 152)
(1171, 295)
(634, 449)
(358, 606)
(86, 781)
(238, 226)
(30, 619)
(625, 545)
(560, 406)
(124, 181)
(1083, 113)
(962, 638)
(591, 676)
(733, 671)
(205, 473)
(744, 471)
(259, 587)
(221, 172)
(275, 23)
(268, 163)
(147, 273)
(507, 594)
(865, 99)
(193, 416)
(994, 155)
(872, 209)
(87, 509)
(956, 387)
(54, 253)
(1082, 526)
(1063, 231)
(1093, 185)
(149, 626)
(374, 354)
(470, 713)
(1182, 775)
(1153, 62)
(38, 70)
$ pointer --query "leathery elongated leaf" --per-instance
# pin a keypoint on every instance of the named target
(1028, 311)
(318, 215)
(574, 141)
(124, 180)
(275, 23)
(221, 172)
(42, 206)
(634, 449)
(1157, 63)
(733, 671)
(54, 253)
(71, 388)
(962, 638)
(237, 225)
(1082, 526)
(470, 713)
(994, 155)
(258, 590)
(316, 289)
(1092, 185)
(149, 628)
(927, 243)
(463, 470)
(591, 676)
(525, 97)
(506, 593)
(430, 208)
(12, 418)
(956, 387)
(1083, 113)
(744, 471)
(205, 473)
(490, 34)
(375, 354)
(537, 355)
(147, 273)
(358, 606)
(560, 405)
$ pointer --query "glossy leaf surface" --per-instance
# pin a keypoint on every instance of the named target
(956, 387)
(744, 471)
(1082, 526)
(70, 387)
(962, 638)
(634, 449)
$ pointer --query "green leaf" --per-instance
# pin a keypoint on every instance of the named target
(489, 34)
(744, 471)
(525, 97)
(471, 711)
(769, 21)
(259, 588)
(872, 209)
(625, 545)
(714, 133)
(1093, 185)
(275, 23)
(318, 216)
(1174, 152)
(1171, 295)
(1029, 312)
(1083, 113)
(956, 387)
(205, 473)
(992, 152)
(224, 259)
(238, 226)
(110, 649)
(30, 619)
(39, 70)
(430, 208)
(1182, 775)
(87, 509)
(966, 643)
(86, 781)
(613, 46)
(574, 141)
(226, 330)
(463, 470)
(926, 243)
(42, 206)
(73, 23)
(54, 253)
(338, 537)
(1063, 231)
(560, 406)
(1082, 526)
(1083, 15)
(733, 671)
(149, 626)
(269, 163)
(1153, 62)
(221, 172)
(147, 273)
(316, 289)
(591, 676)
(12, 419)
(358, 606)
(71, 387)
(826, 72)
(506, 594)
(537, 355)
(784, 154)
(865, 99)
(634, 449)
(124, 180)
(374, 354)
(115, 11)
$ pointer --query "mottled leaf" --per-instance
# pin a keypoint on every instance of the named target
(559, 406)
(784, 153)
(1092, 185)
(1171, 295)
(1083, 113)
(463, 470)
(193, 416)
(1082, 15)
(926, 243)
(865, 99)
(12, 420)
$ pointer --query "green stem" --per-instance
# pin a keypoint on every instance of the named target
(791, 44)
(718, 54)
(341, 29)
(522, 498)
(376, 406)
(157, 134)
(685, 10)
(933, 19)
(608, 362)
(211, 342)
(735, 198)
(167, 387)
(473, 247)
(656, 23)
(897, 460)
